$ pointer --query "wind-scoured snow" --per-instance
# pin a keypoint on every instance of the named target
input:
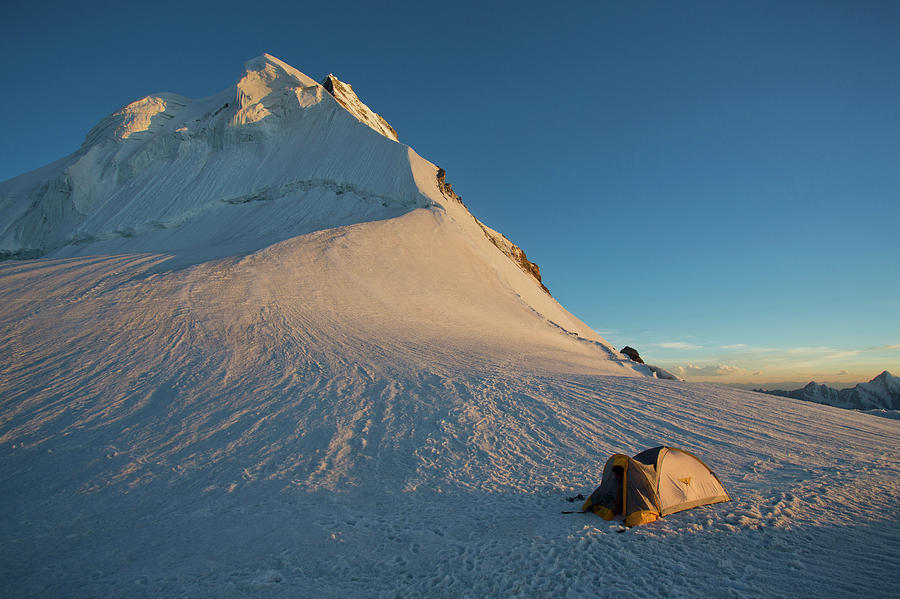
(287, 365)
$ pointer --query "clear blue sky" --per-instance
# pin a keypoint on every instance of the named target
(714, 183)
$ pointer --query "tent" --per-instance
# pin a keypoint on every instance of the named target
(654, 483)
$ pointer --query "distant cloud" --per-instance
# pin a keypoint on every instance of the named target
(810, 350)
(824, 352)
(694, 370)
(819, 362)
(675, 345)
(884, 347)
(745, 348)
(837, 352)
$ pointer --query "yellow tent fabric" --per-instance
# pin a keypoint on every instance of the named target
(652, 484)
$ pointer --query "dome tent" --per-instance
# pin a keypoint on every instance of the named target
(654, 483)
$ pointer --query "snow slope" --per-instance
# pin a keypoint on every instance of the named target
(346, 97)
(312, 395)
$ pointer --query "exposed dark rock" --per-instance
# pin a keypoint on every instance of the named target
(519, 257)
(631, 353)
(328, 84)
(514, 252)
(445, 187)
(346, 97)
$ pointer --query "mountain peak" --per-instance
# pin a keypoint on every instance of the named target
(271, 86)
(880, 393)
(885, 381)
(273, 68)
(139, 119)
(346, 97)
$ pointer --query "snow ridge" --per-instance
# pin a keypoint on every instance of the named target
(514, 252)
(141, 118)
(167, 161)
(344, 94)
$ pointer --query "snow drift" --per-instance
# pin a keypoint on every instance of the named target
(265, 350)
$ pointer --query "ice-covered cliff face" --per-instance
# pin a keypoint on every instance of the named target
(167, 173)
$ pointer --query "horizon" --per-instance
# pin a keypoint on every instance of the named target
(794, 385)
(714, 186)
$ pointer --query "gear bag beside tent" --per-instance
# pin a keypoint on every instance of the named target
(654, 483)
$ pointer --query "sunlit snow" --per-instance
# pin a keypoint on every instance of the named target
(263, 354)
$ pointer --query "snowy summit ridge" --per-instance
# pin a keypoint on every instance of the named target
(167, 162)
(167, 173)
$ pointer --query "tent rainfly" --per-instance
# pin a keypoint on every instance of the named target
(654, 483)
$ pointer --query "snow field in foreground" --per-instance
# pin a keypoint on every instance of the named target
(809, 517)
(458, 545)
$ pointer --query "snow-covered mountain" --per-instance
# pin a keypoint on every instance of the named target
(272, 158)
(229, 173)
(252, 345)
(881, 393)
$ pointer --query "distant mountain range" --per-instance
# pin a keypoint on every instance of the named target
(881, 393)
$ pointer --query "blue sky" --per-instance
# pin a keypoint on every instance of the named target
(713, 183)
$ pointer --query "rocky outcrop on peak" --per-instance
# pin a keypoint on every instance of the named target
(446, 188)
(660, 373)
(346, 97)
(632, 354)
(515, 253)
(500, 241)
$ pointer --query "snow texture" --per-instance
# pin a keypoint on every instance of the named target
(263, 355)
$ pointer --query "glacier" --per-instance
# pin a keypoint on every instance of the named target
(253, 345)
